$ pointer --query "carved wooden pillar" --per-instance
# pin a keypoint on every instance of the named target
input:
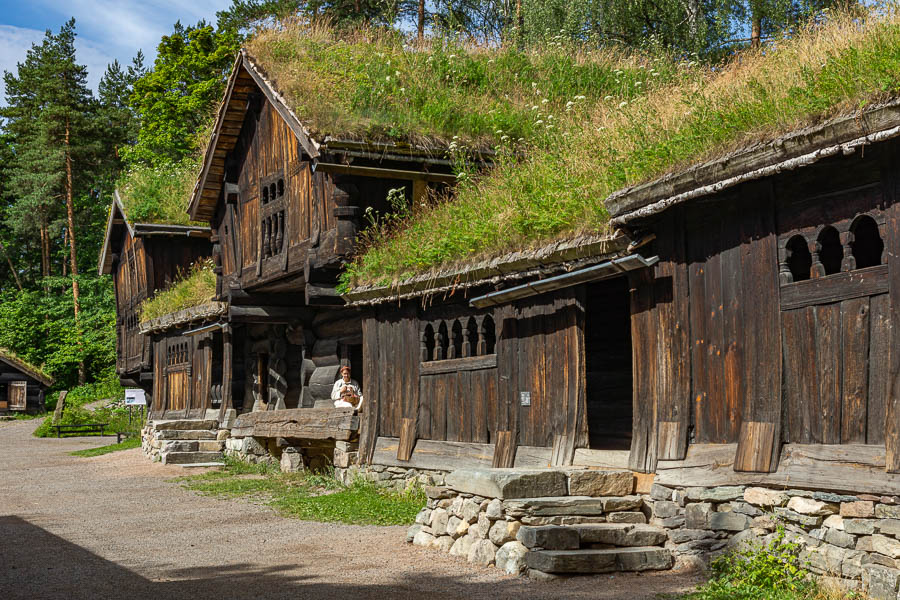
(467, 339)
(455, 339)
(849, 261)
(482, 335)
(439, 339)
(818, 269)
(424, 354)
(784, 269)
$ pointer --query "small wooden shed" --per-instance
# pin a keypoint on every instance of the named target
(737, 330)
(22, 386)
(142, 259)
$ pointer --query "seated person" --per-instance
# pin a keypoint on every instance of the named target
(346, 392)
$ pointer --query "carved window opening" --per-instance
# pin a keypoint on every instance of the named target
(177, 354)
(458, 338)
(830, 252)
(272, 216)
(799, 259)
(866, 245)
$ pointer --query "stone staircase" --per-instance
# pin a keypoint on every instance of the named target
(189, 443)
(543, 523)
(595, 548)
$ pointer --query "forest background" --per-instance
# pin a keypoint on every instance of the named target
(63, 149)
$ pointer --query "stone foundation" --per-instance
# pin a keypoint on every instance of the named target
(850, 540)
(183, 442)
(392, 477)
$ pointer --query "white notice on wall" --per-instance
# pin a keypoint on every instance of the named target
(135, 397)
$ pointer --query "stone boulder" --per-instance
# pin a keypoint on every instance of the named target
(510, 558)
(509, 483)
(600, 483)
(482, 552)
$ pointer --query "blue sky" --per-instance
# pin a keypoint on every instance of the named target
(107, 29)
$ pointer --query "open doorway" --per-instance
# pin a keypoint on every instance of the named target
(607, 344)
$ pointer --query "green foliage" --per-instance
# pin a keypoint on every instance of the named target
(196, 287)
(126, 444)
(311, 496)
(647, 127)
(40, 327)
(111, 410)
(175, 100)
(160, 193)
(770, 572)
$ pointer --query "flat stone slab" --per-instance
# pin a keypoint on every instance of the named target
(508, 483)
(569, 505)
(621, 534)
(185, 434)
(549, 537)
(600, 561)
(180, 458)
(600, 483)
(202, 465)
(186, 424)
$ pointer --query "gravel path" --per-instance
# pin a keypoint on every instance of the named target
(116, 526)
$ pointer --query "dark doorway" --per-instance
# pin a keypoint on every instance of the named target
(607, 344)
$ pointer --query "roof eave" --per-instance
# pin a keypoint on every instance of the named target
(104, 266)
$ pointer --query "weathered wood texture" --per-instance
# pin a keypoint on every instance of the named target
(891, 182)
(184, 373)
(854, 468)
(299, 423)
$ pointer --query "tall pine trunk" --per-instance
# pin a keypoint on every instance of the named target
(12, 268)
(421, 22)
(755, 26)
(70, 215)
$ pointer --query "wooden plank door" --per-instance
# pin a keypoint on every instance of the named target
(17, 395)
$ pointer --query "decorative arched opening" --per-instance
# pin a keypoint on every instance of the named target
(867, 245)
(488, 335)
(799, 259)
(470, 348)
(831, 253)
(427, 343)
(456, 340)
(442, 344)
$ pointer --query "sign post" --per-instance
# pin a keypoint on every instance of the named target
(135, 397)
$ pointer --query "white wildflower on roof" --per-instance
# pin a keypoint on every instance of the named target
(623, 104)
(545, 101)
(607, 98)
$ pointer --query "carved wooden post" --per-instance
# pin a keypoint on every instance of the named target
(818, 269)
(849, 261)
(455, 339)
(439, 339)
(784, 269)
(483, 324)
(424, 354)
(467, 339)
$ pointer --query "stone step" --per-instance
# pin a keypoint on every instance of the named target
(204, 465)
(621, 534)
(570, 505)
(180, 458)
(185, 434)
(186, 424)
(640, 558)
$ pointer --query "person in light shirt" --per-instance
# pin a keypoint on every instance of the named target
(346, 392)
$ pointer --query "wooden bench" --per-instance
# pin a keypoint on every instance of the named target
(82, 428)
(124, 434)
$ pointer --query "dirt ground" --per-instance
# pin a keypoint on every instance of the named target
(117, 526)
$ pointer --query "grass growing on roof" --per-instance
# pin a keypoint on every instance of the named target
(195, 287)
(310, 496)
(158, 194)
(674, 115)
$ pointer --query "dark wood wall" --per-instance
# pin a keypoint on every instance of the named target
(767, 319)
(185, 380)
(458, 374)
(145, 266)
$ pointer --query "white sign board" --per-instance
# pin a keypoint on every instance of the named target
(135, 397)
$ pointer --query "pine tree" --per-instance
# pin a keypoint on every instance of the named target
(51, 117)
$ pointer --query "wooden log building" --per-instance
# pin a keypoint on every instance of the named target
(22, 386)
(284, 209)
(736, 329)
(143, 258)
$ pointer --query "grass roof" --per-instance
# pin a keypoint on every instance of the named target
(25, 366)
(589, 123)
(195, 287)
(158, 194)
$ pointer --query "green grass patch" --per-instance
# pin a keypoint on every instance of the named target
(158, 194)
(309, 496)
(126, 444)
(195, 287)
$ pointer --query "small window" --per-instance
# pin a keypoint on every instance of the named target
(867, 245)
(799, 259)
(273, 189)
(280, 188)
(265, 195)
(831, 253)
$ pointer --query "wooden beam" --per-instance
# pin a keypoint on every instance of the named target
(431, 454)
(268, 314)
(323, 295)
(304, 423)
(385, 173)
(851, 468)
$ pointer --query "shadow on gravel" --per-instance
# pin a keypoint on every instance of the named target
(37, 564)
